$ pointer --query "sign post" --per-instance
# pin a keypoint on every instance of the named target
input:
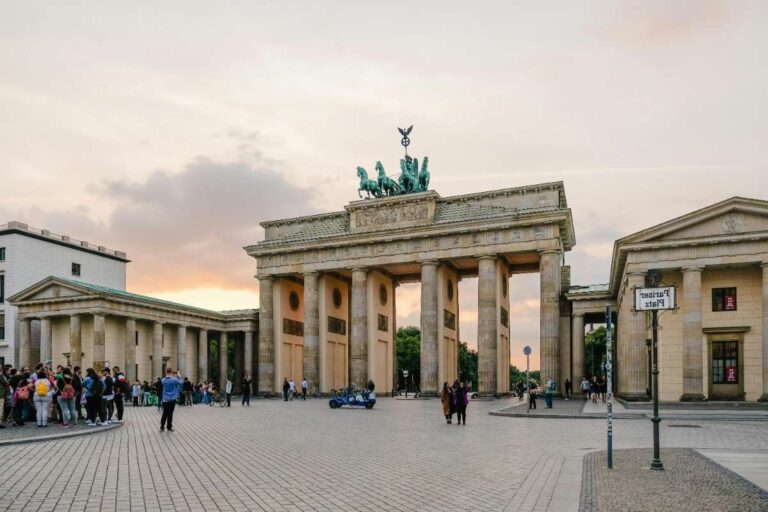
(609, 383)
(527, 352)
(654, 299)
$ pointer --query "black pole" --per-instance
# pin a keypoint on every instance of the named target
(656, 462)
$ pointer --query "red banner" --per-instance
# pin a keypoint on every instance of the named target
(731, 374)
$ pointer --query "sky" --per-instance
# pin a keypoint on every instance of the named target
(170, 130)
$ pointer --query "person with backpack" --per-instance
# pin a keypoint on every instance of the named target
(20, 401)
(121, 388)
(77, 383)
(94, 390)
(44, 389)
(67, 397)
(548, 392)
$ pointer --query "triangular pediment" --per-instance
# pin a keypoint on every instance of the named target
(732, 217)
(50, 288)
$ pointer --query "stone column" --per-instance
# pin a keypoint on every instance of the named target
(157, 351)
(764, 397)
(99, 340)
(202, 355)
(248, 354)
(75, 342)
(633, 373)
(311, 353)
(429, 342)
(549, 316)
(578, 350)
(693, 350)
(358, 332)
(46, 343)
(239, 364)
(266, 338)
(487, 325)
(223, 360)
(395, 369)
(181, 350)
(25, 343)
(130, 350)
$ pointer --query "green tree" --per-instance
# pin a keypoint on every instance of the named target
(468, 364)
(594, 350)
(408, 348)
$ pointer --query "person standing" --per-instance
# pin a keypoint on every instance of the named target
(136, 393)
(93, 391)
(108, 400)
(548, 392)
(291, 389)
(446, 397)
(159, 393)
(228, 391)
(461, 401)
(593, 389)
(5, 388)
(44, 389)
(532, 395)
(520, 388)
(286, 388)
(304, 388)
(171, 385)
(67, 399)
(121, 388)
(246, 391)
(77, 383)
(585, 388)
(187, 387)
(568, 389)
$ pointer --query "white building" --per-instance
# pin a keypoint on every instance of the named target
(28, 255)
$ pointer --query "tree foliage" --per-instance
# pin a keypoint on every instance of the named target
(408, 348)
(594, 351)
(468, 364)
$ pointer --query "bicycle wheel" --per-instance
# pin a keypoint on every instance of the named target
(222, 401)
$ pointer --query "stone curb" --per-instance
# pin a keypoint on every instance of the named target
(62, 435)
(585, 416)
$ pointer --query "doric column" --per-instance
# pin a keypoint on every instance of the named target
(578, 349)
(25, 343)
(75, 342)
(395, 369)
(248, 353)
(311, 352)
(764, 397)
(223, 360)
(157, 351)
(130, 350)
(429, 346)
(487, 325)
(181, 350)
(99, 339)
(549, 317)
(266, 337)
(693, 351)
(358, 332)
(46, 343)
(239, 365)
(633, 360)
(202, 355)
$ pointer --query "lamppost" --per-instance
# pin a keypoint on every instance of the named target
(527, 352)
(405, 378)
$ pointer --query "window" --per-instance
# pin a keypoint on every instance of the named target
(2, 332)
(76, 269)
(723, 299)
(137, 338)
(2, 253)
(2, 288)
(725, 362)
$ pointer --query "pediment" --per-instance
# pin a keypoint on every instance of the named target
(735, 216)
(48, 289)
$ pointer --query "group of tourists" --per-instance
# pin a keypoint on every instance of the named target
(455, 401)
(290, 392)
(595, 388)
(58, 395)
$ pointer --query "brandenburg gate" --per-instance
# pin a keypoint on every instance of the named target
(327, 285)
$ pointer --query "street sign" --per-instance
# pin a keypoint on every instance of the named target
(527, 350)
(654, 299)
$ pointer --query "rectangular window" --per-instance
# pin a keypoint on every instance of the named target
(76, 269)
(2, 288)
(2, 332)
(137, 338)
(162, 340)
(137, 371)
(2, 253)
(723, 299)
(725, 362)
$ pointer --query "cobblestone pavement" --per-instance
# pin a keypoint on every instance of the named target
(31, 433)
(689, 481)
(304, 456)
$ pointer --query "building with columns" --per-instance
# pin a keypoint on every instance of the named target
(327, 285)
(87, 325)
(28, 255)
(715, 345)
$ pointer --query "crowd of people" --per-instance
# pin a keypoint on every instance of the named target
(45, 395)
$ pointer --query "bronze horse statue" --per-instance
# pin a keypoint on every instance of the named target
(386, 184)
(366, 185)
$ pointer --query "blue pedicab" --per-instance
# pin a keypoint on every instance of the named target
(352, 397)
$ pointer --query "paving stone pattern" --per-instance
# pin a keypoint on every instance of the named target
(689, 481)
(299, 456)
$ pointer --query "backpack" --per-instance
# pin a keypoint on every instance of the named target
(97, 389)
(23, 393)
(68, 391)
(552, 386)
(41, 388)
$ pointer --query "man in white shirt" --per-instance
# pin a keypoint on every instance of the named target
(291, 389)
(304, 387)
(228, 390)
